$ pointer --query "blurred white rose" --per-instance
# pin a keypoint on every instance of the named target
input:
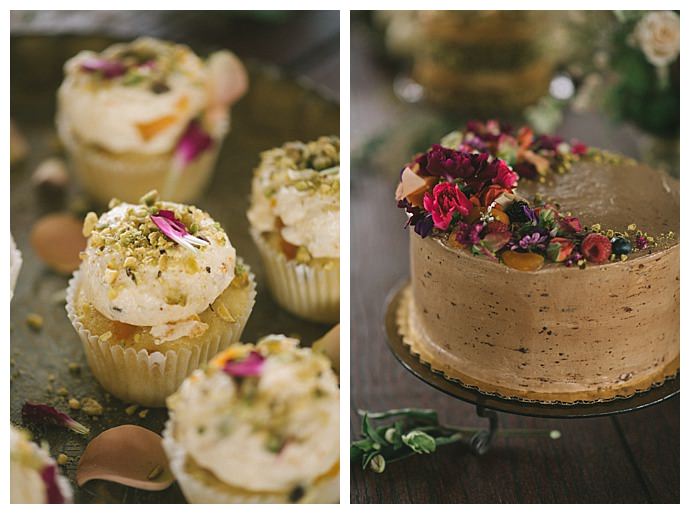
(658, 35)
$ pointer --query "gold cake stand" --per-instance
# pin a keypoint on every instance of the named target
(488, 405)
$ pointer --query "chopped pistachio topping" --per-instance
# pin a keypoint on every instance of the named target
(312, 166)
(135, 239)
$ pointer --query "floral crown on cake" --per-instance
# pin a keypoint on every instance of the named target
(464, 190)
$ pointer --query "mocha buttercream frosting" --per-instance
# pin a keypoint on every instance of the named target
(591, 332)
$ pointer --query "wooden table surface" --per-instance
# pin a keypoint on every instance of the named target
(628, 458)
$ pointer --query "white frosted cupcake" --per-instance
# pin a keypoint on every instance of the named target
(159, 292)
(15, 264)
(295, 222)
(147, 115)
(259, 425)
(34, 475)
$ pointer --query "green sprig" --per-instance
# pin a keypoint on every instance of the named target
(410, 432)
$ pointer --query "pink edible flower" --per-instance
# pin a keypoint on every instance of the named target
(505, 177)
(49, 477)
(193, 142)
(41, 413)
(109, 69)
(175, 230)
(444, 201)
(250, 366)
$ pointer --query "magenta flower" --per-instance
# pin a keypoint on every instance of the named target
(193, 142)
(468, 234)
(49, 477)
(250, 366)
(533, 240)
(445, 200)
(43, 414)
(505, 177)
(176, 231)
(109, 69)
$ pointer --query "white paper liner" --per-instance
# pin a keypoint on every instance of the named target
(128, 177)
(15, 265)
(139, 376)
(310, 292)
(325, 490)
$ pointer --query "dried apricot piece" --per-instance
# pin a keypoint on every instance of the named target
(522, 261)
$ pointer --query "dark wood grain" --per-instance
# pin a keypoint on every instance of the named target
(627, 459)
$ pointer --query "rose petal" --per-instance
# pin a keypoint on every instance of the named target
(250, 366)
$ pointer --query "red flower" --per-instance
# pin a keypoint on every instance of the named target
(505, 177)
(444, 201)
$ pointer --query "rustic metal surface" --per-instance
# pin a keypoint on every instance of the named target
(276, 109)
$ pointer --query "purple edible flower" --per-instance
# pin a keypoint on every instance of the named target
(531, 215)
(193, 142)
(423, 223)
(109, 69)
(250, 366)
(49, 477)
(175, 230)
(468, 234)
(534, 240)
(45, 414)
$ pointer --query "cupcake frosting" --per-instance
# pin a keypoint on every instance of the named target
(296, 190)
(34, 477)
(263, 418)
(142, 96)
(133, 272)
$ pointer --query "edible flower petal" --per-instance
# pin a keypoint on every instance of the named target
(444, 202)
(45, 414)
(49, 477)
(194, 141)
(175, 230)
(109, 69)
(250, 366)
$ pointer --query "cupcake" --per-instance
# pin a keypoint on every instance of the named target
(34, 476)
(295, 222)
(259, 425)
(146, 115)
(15, 264)
(159, 291)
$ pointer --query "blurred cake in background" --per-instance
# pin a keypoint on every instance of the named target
(483, 61)
(147, 115)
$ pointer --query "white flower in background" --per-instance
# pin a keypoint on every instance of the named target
(658, 35)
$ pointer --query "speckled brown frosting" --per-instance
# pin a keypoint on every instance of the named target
(559, 334)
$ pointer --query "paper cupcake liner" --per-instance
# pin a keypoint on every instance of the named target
(310, 292)
(128, 177)
(15, 265)
(325, 490)
(139, 376)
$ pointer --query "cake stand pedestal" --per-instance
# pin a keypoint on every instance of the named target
(488, 405)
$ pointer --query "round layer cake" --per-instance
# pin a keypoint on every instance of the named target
(580, 326)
